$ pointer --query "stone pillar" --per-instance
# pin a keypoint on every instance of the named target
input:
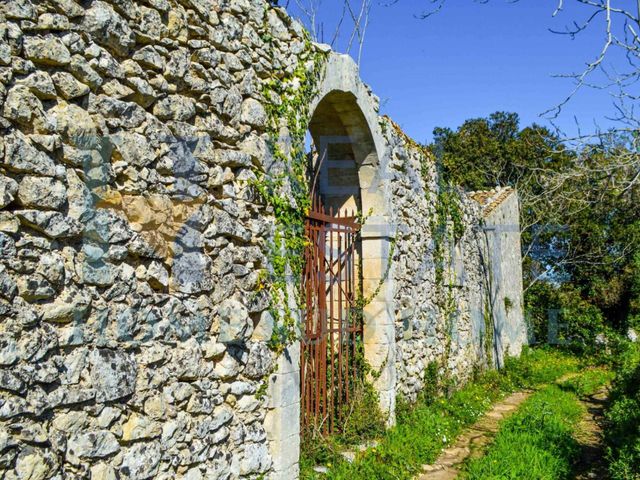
(282, 422)
(379, 328)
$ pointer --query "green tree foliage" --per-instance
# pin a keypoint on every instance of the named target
(484, 153)
(601, 227)
(580, 220)
(489, 152)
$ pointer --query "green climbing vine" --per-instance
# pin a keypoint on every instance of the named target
(447, 228)
(447, 225)
(284, 187)
(489, 328)
(487, 336)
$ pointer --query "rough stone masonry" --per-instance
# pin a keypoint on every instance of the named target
(134, 329)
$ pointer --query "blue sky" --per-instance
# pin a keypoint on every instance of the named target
(470, 60)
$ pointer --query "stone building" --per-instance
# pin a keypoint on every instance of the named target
(152, 184)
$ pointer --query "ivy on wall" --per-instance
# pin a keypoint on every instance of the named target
(284, 188)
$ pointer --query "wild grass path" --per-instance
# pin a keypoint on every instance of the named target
(471, 443)
(591, 464)
(475, 440)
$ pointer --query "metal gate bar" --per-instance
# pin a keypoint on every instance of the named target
(332, 323)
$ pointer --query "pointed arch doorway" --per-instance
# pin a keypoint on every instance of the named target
(331, 350)
(348, 317)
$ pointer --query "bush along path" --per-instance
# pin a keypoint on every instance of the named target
(623, 415)
(433, 423)
(553, 435)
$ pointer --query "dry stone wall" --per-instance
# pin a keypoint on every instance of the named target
(133, 332)
(450, 290)
(136, 254)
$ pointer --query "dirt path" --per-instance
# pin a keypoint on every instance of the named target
(472, 442)
(591, 464)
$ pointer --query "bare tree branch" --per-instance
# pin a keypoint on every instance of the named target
(350, 24)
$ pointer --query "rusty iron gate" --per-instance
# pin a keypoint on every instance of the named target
(332, 321)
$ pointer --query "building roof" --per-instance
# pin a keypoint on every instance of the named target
(489, 200)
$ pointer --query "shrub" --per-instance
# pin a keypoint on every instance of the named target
(623, 433)
(361, 417)
(583, 321)
(359, 421)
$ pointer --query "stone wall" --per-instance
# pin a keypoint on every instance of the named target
(135, 323)
(501, 212)
(458, 320)
(132, 333)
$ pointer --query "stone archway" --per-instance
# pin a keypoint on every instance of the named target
(344, 110)
(345, 130)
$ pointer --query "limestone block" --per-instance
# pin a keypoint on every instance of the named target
(8, 190)
(175, 107)
(52, 224)
(86, 445)
(150, 25)
(41, 84)
(108, 27)
(68, 86)
(83, 71)
(23, 107)
(283, 389)
(256, 459)
(259, 361)
(141, 461)
(33, 464)
(139, 427)
(133, 149)
(253, 113)
(263, 331)
(103, 471)
(48, 51)
(149, 57)
(21, 156)
(41, 192)
(75, 125)
(285, 453)
(379, 314)
(235, 323)
(113, 374)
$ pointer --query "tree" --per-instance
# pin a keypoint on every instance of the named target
(487, 152)
(579, 216)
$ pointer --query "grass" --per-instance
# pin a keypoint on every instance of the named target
(588, 382)
(426, 427)
(537, 442)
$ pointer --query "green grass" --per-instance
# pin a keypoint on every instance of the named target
(588, 381)
(425, 428)
(537, 441)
